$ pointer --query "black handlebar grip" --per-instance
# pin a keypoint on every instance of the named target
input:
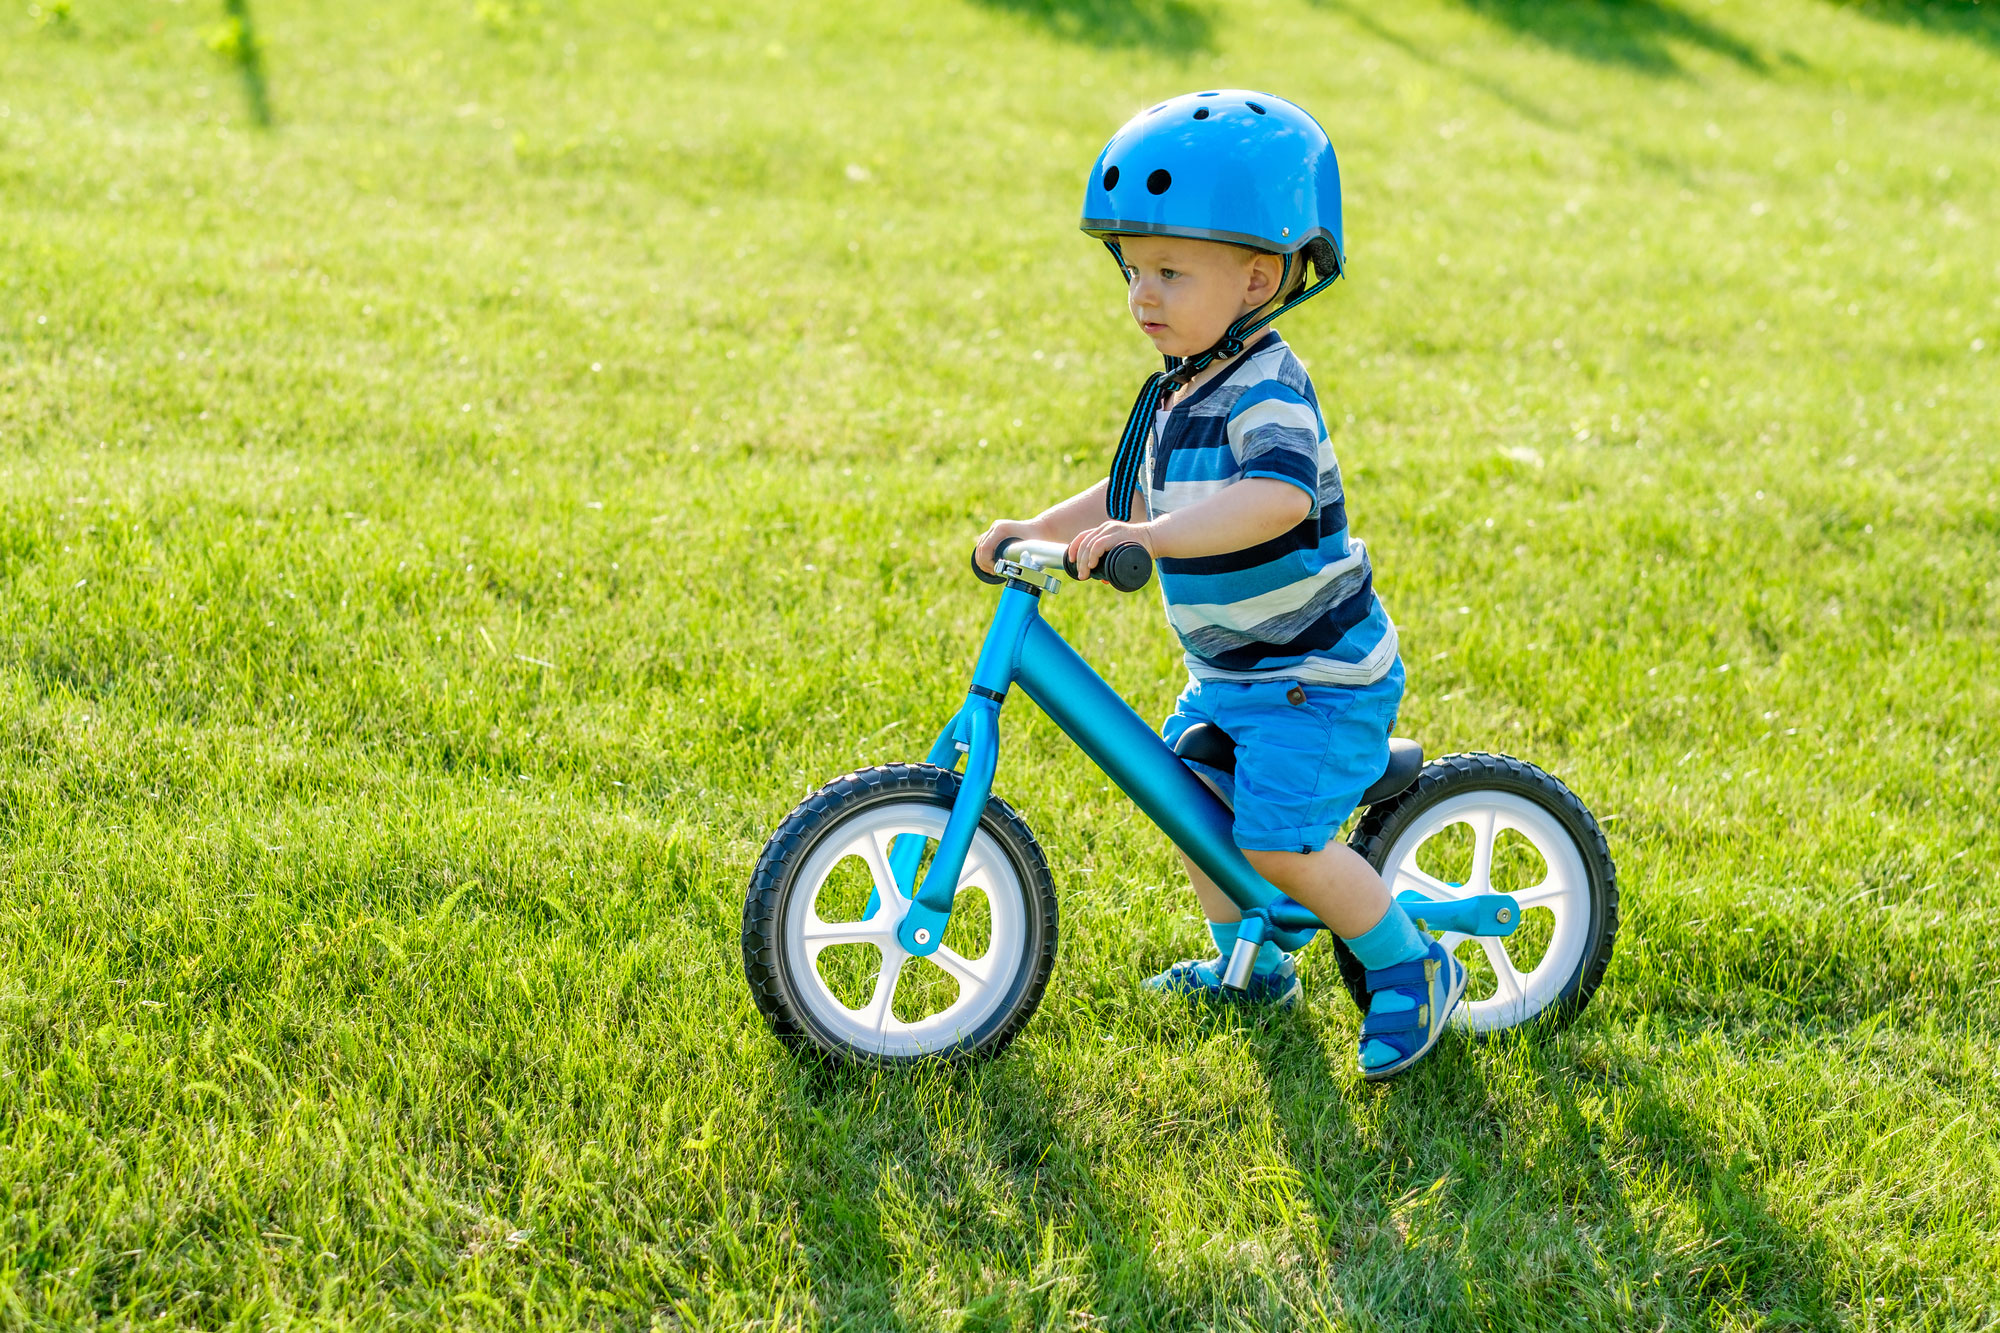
(999, 553)
(1126, 567)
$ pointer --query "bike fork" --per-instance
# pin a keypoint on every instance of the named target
(974, 732)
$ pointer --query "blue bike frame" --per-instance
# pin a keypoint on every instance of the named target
(1021, 649)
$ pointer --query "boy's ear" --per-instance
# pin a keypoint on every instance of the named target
(1265, 273)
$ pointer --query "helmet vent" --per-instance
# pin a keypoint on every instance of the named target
(1111, 178)
(1201, 113)
(1254, 107)
(1159, 181)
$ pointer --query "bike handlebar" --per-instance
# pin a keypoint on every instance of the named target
(1127, 566)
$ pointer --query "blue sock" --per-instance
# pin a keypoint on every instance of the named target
(1394, 939)
(1269, 955)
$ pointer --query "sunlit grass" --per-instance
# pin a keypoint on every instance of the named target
(445, 532)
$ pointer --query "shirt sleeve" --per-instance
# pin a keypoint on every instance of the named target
(1274, 432)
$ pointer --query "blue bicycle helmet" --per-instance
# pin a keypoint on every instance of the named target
(1242, 167)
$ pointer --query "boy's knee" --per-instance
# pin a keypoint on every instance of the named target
(1278, 867)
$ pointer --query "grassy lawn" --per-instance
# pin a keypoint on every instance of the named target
(444, 533)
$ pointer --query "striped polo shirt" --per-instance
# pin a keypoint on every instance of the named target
(1301, 606)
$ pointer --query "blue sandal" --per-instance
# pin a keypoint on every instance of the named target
(1409, 1005)
(1202, 977)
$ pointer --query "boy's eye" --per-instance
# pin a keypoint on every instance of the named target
(1169, 273)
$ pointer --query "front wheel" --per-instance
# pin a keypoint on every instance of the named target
(1487, 823)
(819, 924)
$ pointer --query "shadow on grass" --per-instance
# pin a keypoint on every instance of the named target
(1978, 20)
(1532, 1181)
(1637, 34)
(1512, 1198)
(895, 1171)
(1362, 16)
(1744, 1256)
(1470, 72)
(1171, 27)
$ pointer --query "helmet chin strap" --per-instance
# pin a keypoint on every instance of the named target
(1131, 455)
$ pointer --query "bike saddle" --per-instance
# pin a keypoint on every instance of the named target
(1206, 743)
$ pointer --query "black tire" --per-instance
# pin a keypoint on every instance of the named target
(1456, 776)
(776, 891)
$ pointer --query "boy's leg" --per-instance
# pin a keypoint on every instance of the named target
(1305, 754)
(1273, 980)
(1334, 883)
(1223, 919)
(1205, 974)
(1414, 984)
(1215, 904)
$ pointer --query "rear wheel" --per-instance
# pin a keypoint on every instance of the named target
(819, 924)
(1487, 823)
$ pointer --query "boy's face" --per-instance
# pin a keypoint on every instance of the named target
(1185, 294)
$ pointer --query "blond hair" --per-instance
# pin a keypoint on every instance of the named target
(1300, 270)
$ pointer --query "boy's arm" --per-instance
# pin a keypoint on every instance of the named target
(1058, 523)
(1241, 514)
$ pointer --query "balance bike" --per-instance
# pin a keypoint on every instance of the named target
(904, 912)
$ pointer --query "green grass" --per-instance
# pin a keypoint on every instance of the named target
(443, 534)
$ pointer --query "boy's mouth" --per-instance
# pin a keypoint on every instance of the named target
(1150, 327)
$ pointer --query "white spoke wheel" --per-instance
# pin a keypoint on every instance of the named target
(828, 974)
(1447, 834)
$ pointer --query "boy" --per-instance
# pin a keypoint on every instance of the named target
(1214, 205)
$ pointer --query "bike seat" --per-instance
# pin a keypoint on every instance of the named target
(1206, 743)
(1406, 760)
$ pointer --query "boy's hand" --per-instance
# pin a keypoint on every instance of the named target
(1029, 529)
(1089, 546)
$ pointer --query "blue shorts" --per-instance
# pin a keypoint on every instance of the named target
(1300, 767)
